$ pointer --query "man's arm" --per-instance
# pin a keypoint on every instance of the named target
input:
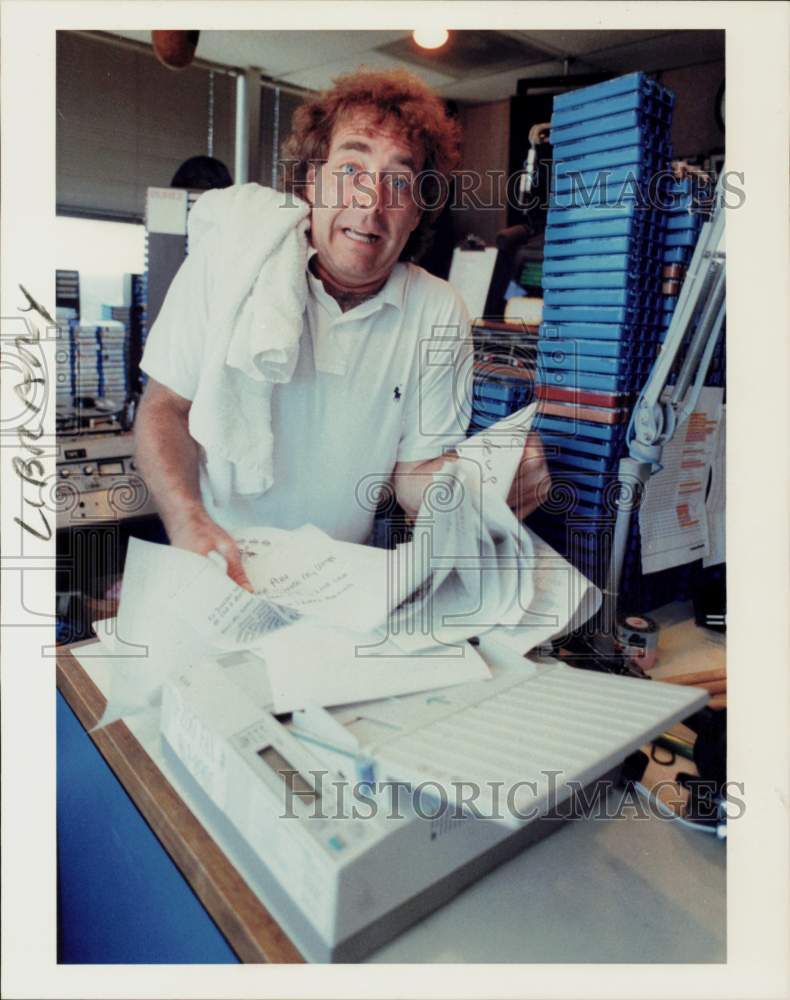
(529, 487)
(411, 478)
(168, 459)
(532, 481)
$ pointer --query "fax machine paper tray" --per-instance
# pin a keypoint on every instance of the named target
(513, 748)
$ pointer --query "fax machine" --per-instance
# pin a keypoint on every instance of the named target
(347, 823)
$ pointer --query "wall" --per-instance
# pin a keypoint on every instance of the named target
(486, 146)
(694, 126)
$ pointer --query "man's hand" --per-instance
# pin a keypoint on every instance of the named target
(527, 491)
(167, 457)
(196, 532)
(531, 482)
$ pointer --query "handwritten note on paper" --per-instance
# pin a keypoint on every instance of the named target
(497, 450)
(224, 614)
(309, 572)
(672, 518)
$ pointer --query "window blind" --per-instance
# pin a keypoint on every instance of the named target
(277, 108)
(124, 123)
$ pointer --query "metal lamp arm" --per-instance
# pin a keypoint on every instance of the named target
(657, 415)
(661, 409)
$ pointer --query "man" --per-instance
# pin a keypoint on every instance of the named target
(367, 156)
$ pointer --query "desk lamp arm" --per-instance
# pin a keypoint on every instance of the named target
(660, 409)
(657, 414)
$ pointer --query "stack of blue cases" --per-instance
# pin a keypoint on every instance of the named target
(97, 362)
(602, 290)
(688, 203)
(85, 352)
(66, 364)
(495, 396)
(113, 362)
(140, 298)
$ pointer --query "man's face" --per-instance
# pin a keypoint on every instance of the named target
(363, 206)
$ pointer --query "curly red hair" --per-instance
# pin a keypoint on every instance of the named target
(404, 103)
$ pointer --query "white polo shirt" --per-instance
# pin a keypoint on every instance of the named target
(393, 385)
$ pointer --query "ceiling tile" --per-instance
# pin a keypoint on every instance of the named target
(467, 53)
(498, 86)
(676, 48)
(313, 58)
(577, 43)
(319, 77)
(280, 52)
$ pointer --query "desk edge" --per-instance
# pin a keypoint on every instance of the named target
(252, 932)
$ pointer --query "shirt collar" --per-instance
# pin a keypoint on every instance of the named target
(392, 294)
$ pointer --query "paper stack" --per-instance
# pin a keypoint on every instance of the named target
(331, 622)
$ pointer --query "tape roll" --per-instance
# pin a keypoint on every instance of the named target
(636, 637)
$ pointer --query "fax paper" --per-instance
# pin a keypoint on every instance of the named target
(497, 450)
(482, 569)
(104, 658)
(335, 622)
(562, 600)
(480, 573)
(193, 596)
(501, 586)
(309, 663)
(175, 606)
(488, 584)
(149, 639)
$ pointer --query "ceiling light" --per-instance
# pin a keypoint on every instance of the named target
(431, 38)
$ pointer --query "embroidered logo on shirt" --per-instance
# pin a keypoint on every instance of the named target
(396, 393)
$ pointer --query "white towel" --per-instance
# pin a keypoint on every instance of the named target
(259, 249)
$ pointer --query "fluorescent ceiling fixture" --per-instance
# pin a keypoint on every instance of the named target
(431, 38)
